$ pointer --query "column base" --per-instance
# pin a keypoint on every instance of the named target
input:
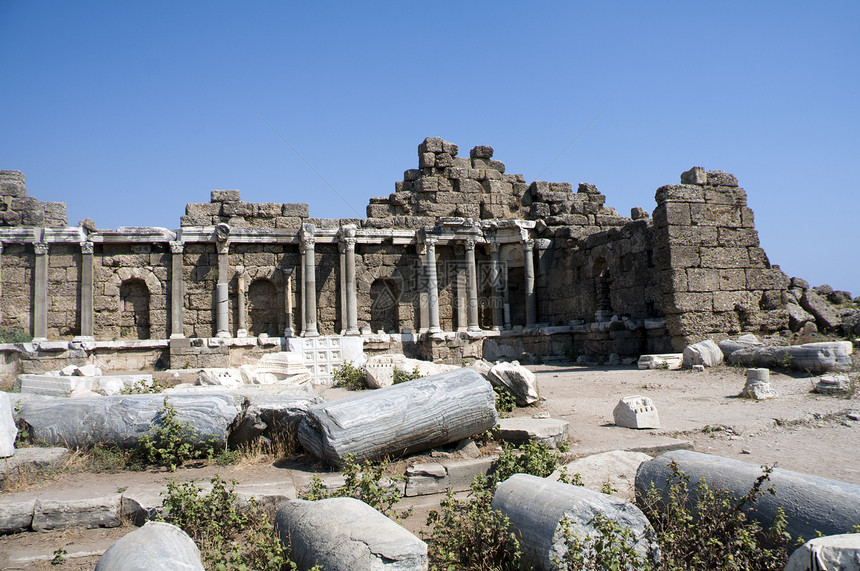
(310, 332)
(223, 335)
(177, 336)
(83, 339)
(352, 332)
(473, 329)
(288, 332)
(433, 330)
(242, 333)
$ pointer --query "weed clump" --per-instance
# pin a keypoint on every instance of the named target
(229, 535)
(174, 442)
(351, 377)
(366, 482)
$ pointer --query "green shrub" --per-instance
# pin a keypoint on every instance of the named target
(470, 534)
(366, 482)
(531, 458)
(710, 529)
(506, 402)
(14, 335)
(350, 377)
(403, 376)
(174, 442)
(611, 546)
(141, 388)
(229, 535)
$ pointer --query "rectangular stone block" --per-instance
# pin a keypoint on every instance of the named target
(737, 237)
(758, 257)
(727, 300)
(267, 209)
(766, 279)
(670, 213)
(731, 280)
(298, 209)
(703, 280)
(679, 193)
(682, 302)
(224, 196)
(427, 184)
(237, 209)
(426, 160)
(715, 215)
(692, 235)
(724, 258)
(202, 210)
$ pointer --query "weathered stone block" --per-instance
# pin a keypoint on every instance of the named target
(481, 152)
(426, 160)
(715, 215)
(737, 237)
(679, 193)
(636, 412)
(724, 258)
(431, 145)
(695, 175)
(427, 184)
(224, 196)
(300, 210)
(720, 178)
(202, 210)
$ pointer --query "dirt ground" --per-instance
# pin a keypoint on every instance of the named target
(799, 431)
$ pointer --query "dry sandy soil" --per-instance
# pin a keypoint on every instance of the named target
(799, 431)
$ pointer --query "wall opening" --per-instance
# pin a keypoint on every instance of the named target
(264, 309)
(384, 301)
(134, 310)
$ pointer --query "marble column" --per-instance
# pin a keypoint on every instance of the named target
(87, 315)
(341, 247)
(288, 302)
(222, 291)
(241, 290)
(432, 284)
(310, 283)
(351, 296)
(472, 280)
(177, 283)
(1, 282)
(496, 279)
(40, 289)
(529, 270)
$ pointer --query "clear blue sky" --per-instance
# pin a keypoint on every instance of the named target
(127, 111)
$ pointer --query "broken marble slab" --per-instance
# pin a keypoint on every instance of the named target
(662, 361)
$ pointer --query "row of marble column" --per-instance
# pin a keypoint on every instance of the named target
(349, 301)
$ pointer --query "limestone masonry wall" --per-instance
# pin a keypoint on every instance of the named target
(516, 267)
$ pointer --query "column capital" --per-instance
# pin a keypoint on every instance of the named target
(87, 247)
(469, 243)
(41, 248)
(350, 242)
(528, 243)
(543, 243)
(308, 242)
(177, 247)
(240, 270)
(430, 241)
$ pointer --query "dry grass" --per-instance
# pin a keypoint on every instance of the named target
(283, 444)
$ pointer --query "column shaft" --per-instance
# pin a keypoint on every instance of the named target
(87, 314)
(472, 279)
(222, 292)
(40, 298)
(529, 270)
(432, 285)
(288, 302)
(310, 296)
(351, 295)
(241, 288)
(177, 304)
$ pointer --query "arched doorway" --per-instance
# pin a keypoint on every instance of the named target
(384, 300)
(134, 309)
(263, 308)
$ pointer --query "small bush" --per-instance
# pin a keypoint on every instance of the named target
(366, 482)
(531, 458)
(174, 442)
(141, 388)
(470, 534)
(709, 529)
(505, 401)
(611, 546)
(14, 335)
(229, 535)
(403, 376)
(350, 377)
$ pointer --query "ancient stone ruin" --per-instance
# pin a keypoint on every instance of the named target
(462, 260)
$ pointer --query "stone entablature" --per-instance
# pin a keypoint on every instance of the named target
(546, 259)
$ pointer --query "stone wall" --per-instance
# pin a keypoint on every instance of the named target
(18, 209)
(601, 282)
(715, 278)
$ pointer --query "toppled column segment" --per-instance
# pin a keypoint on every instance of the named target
(811, 504)
(345, 533)
(401, 419)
